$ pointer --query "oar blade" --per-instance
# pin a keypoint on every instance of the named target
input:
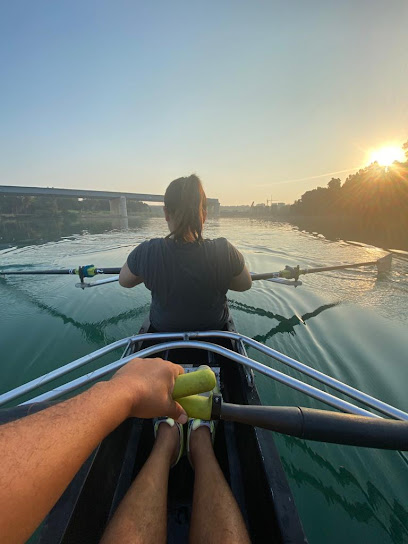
(384, 264)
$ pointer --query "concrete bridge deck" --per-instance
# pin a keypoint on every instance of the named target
(117, 200)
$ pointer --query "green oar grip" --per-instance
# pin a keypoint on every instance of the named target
(197, 406)
(192, 383)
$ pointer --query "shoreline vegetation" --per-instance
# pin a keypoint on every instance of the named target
(371, 207)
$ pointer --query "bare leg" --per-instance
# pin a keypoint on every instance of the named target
(141, 517)
(216, 517)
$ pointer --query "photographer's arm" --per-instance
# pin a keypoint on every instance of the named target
(42, 452)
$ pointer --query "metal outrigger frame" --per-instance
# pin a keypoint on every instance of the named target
(193, 340)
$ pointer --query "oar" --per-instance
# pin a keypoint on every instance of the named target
(35, 272)
(292, 273)
(306, 423)
(87, 271)
(289, 276)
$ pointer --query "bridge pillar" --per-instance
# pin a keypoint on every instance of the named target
(213, 209)
(118, 206)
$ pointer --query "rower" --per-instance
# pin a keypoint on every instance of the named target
(188, 276)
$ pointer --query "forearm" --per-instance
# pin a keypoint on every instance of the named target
(242, 282)
(56, 443)
(127, 279)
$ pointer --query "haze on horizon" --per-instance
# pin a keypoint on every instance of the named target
(260, 99)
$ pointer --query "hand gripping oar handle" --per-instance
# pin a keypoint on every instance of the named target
(192, 383)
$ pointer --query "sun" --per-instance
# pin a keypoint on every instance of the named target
(385, 156)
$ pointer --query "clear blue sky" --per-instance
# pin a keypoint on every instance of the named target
(251, 95)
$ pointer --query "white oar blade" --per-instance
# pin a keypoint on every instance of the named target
(384, 264)
(85, 285)
(282, 281)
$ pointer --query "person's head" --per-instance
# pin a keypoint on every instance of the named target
(185, 209)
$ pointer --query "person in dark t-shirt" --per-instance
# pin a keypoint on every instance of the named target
(187, 275)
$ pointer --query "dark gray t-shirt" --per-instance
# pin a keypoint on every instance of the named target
(188, 281)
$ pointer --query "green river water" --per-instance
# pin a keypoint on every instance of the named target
(349, 324)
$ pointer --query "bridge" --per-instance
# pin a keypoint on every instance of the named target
(117, 200)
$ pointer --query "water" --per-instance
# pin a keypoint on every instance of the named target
(349, 324)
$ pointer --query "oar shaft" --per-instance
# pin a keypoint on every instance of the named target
(383, 264)
(38, 272)
(61, 271)
(322, 426)
(336, 267)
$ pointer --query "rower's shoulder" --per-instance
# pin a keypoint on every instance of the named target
(219, 243)
(216, 241)
(148, 246)
(154, 242)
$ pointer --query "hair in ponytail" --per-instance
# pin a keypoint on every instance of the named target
(186, 203)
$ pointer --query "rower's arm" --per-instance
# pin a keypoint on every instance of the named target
(127, 279)
(41, 453)
(242, 282)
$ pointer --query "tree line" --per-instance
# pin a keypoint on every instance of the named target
(371, 204)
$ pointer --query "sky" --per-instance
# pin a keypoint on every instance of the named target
(261, 99)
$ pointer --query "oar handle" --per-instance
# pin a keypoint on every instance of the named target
(193, 383)
(322, 425)
(197, 406)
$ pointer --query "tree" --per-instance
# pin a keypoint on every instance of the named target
(405, 148)
(334, 184)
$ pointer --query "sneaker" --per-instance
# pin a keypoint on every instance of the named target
(157, 421)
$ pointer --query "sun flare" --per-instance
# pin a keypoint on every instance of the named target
(385, 156)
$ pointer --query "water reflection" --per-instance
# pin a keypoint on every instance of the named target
(37, 231)
(94, 332)
(373, 502)
(286, 324)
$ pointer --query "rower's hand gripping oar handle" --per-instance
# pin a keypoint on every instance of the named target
(186, 391)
